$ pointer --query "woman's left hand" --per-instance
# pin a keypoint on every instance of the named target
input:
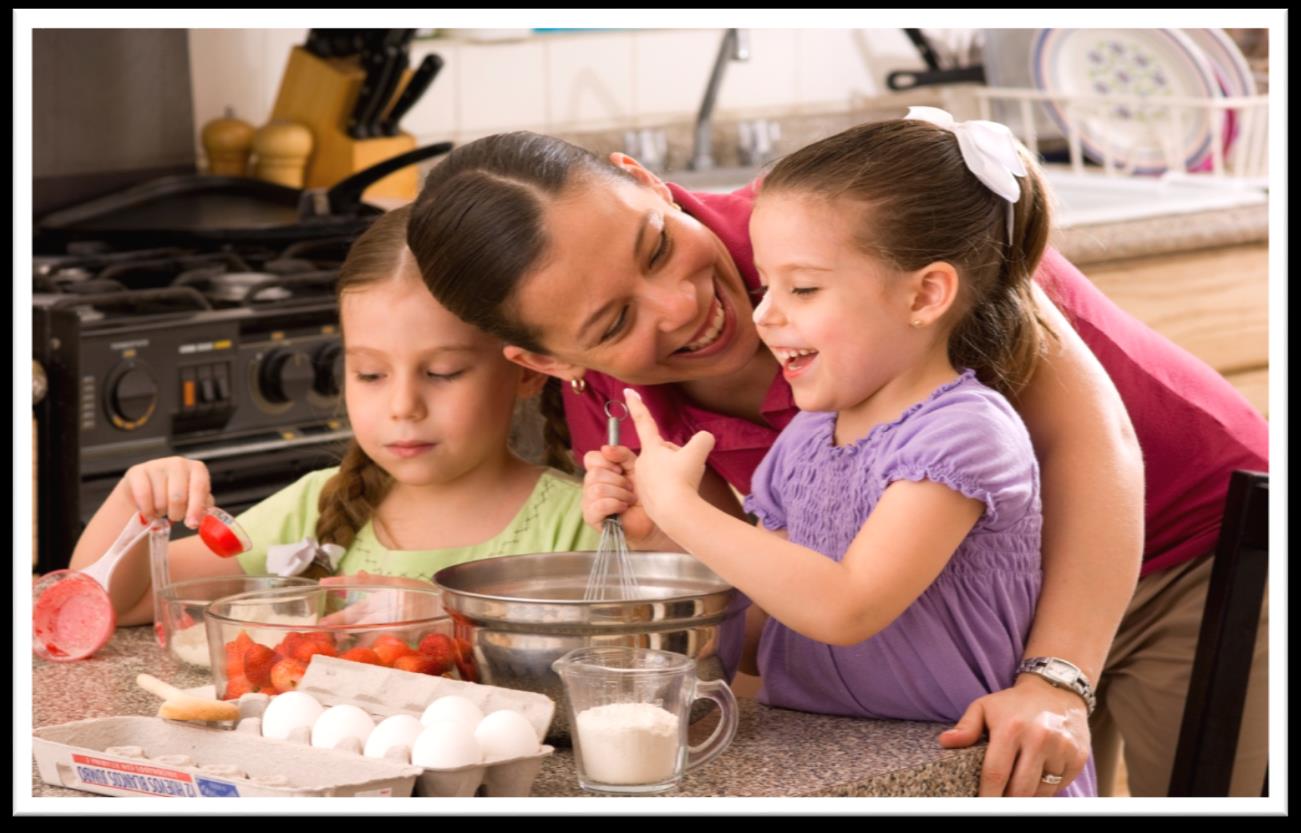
(1034, 729)
(665, 471)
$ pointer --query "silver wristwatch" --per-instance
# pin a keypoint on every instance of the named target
(1062, 674)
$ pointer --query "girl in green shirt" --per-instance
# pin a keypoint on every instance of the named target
(429, 479)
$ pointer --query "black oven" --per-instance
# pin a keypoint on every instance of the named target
(230, 356)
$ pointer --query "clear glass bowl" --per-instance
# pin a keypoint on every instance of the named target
(381, 625)
(182, 606)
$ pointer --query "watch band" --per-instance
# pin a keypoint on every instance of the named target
(1062, 674)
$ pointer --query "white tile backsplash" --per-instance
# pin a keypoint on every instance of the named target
(434, 116)
(502, 86)
(590, 80)
(671, 71)
(763, 82)
(576, 81)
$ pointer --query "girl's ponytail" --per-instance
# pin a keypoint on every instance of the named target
(350, 498)
(1002, 336)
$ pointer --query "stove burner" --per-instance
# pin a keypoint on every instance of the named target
(236, 288)
(229, 276)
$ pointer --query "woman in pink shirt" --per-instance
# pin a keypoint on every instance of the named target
(603, 276)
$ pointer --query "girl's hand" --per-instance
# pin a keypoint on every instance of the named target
(665, 472)
(172, 487)
(608, 489)
(1034, 729)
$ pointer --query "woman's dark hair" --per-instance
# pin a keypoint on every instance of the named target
(477, 229)
(921, 205)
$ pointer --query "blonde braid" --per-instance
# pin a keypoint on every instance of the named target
(350, 498)
(556, 430)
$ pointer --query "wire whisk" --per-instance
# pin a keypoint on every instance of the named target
(612, 577)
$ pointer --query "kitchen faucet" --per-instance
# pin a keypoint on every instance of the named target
(734, 47)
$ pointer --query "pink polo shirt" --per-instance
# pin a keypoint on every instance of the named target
(1193, 427)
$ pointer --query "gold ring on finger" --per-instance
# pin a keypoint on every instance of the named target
(1050, 779)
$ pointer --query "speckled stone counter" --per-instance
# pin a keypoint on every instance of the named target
(775, 753)
(1101, 242)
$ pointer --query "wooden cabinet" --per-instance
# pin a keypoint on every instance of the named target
(1212, 302)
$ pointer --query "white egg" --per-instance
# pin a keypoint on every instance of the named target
(506, 734)
(339, 722)
(446, 746)
(397, 730)
(453, 709)
(289, 711)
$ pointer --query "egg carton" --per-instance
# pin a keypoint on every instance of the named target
(135, 756)
(383, 692)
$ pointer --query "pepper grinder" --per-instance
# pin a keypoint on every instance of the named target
(281, 150)
(227, 141)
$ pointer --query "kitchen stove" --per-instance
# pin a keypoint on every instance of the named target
(230, 355)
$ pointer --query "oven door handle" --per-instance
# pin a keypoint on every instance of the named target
(264, 445)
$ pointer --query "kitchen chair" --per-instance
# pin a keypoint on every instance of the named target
(1208, 738)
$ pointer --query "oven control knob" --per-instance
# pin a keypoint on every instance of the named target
(329, 370)
(286, 376)
(132, 396)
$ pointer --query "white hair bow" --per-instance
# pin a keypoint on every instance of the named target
(988, 148)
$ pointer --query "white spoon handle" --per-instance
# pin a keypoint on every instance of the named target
(136, 528)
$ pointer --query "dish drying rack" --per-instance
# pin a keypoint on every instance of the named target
(1244, 120)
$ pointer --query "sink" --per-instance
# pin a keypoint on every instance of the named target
(1080, 199)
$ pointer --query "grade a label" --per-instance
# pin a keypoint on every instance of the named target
(134, 778)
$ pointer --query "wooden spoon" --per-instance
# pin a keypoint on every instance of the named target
(177, 705)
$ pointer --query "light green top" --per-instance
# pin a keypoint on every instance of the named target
(551, 520)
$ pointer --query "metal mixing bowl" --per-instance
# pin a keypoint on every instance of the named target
(523, 612)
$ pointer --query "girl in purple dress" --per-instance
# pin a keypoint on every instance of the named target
(902, 577)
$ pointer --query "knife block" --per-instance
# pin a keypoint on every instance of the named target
(320, 93)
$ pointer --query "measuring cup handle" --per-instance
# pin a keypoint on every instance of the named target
(720, 693)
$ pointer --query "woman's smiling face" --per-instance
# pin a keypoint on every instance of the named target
(631, 286)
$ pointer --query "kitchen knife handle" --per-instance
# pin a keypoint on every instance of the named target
(375, 64)
(420, 81)
(384, 97)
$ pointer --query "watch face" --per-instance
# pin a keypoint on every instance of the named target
(1060, 671)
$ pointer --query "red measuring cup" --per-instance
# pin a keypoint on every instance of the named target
(72, 613)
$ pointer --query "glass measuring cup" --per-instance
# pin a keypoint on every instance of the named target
(73, 614)
(629, 709)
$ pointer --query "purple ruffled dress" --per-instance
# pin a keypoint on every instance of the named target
(964, 636)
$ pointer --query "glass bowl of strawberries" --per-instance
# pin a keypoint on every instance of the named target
(263, 641)
(185, 604)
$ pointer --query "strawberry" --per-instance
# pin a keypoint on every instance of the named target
(365, 655)
(417, 663)
(235, 686)
(324, 638)
(441, 649)
(258, 660)
(389, 652)
(287, 673)
(268, 690)
(290, 643)
(235, 654)
(306, 649)
(465, 668)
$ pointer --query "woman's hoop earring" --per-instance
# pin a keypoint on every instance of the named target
(578, 385)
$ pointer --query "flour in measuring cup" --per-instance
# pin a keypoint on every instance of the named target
(628, 743)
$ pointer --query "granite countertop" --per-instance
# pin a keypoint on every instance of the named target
(776, 752)
(1153, 236)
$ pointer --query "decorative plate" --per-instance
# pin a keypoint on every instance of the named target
(1150, 63)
